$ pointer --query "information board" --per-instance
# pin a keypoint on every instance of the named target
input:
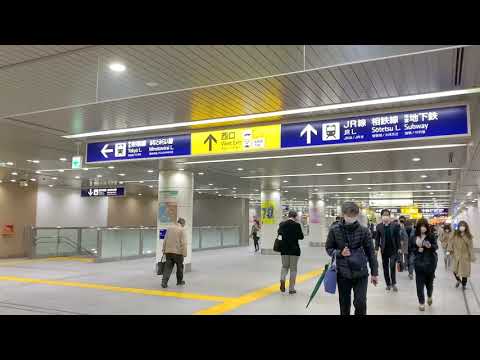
(99, 192)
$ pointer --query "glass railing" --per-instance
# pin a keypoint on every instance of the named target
(115, 243)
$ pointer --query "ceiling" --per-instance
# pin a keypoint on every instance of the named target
(50, 91)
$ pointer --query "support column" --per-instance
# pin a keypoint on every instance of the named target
(271, 215)
(318, 221)
(175, 199)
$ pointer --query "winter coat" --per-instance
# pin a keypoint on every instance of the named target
(462, 249)
(394, 233)
(361, 246)
(403, 240)
(425, 261)
(445, 238)
(175, 241)
(291, 232)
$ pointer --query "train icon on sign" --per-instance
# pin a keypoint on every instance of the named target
(331, 131)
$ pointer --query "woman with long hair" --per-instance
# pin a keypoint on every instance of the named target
(424, 247)
(461, 247)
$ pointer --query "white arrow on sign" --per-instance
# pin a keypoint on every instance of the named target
(90, 192)
(105, 150)
(309, 129)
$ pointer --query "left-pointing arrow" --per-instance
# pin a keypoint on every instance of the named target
(105, 150)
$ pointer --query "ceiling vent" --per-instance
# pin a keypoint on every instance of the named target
(458, 66)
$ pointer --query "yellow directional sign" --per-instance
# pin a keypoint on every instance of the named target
(255, 138)
(409, 210)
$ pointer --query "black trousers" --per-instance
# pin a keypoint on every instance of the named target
(359, 287)
(170, 261)
(255, 242)
(389, 263)
(424, 280)
(463, 280)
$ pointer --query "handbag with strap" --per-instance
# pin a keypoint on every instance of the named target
(277, 245)
(161, 265)
(330, 281)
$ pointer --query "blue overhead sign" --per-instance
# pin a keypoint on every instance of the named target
(99, 192)
(415, 124)
(137, 149)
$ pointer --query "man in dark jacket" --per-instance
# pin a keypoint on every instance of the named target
(352, 246)
(290, 231)
(388, 240)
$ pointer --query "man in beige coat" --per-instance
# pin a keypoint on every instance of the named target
(175, 250)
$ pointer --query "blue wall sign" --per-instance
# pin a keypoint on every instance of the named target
(146, 148)
(415, 124)
(99, 192)
(162, 234)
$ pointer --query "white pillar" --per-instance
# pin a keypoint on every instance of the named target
(271, 216)
(175, 200)
(318, 221)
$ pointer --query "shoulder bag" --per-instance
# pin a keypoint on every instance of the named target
(330, 281)
(161, 265)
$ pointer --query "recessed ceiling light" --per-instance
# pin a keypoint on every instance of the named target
(210, 184)
(120, 182)
(432, 193)
(349, 179)
(54, 178)
(181, 169)
(85, 169)
(1, 181)
(469, 193)
(150, 186)
(150, 171)
(428, 186)
(99, 176)
(216, 192)
(61, 170)
(117, 67)
(9, 163)
(257, 190)
(234, 188)
(77, 177)
(13, 180)
(139, 194)
(36, 161)
(285, 181)
(121, 174)
(240, 169)
(286, 191)
(369, 188)
(141, 181)
(111, 167)
(319, 164)
(200, 173)
(151, 83)
(416, 159)
(63, 159)
(33, 179)
(14, 173)
(50, 185)
(423, 176)
(37, 172)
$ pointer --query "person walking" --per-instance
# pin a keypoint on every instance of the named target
(175, 250)
(461, 245)
(352, 246)
(338, 219)
(388, 240)
(290, 232)
(254, 233)
(445, 239)
(424, 245)
(404, 239)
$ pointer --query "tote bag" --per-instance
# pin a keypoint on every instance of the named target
(330, 281)
(161, 266)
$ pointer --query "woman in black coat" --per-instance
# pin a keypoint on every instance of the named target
(423, 245)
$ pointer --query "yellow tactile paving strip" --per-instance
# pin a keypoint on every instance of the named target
(226, 304)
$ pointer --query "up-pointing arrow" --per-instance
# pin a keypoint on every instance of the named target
(309, 129)
(105, 150)
(210, 139)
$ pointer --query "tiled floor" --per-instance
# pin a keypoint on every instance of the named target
(124, 288)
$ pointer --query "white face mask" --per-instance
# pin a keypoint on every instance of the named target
(350, 220)
(423, 230)
(462, 229)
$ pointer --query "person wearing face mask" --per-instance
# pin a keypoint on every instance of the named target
(388, 240)
(424, 245)
(461, 247)
(351, 245)
(404, 241)
(445, 239)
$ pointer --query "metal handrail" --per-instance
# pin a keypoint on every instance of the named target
(63, 239)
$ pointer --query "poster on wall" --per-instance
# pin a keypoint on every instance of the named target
(314, 214)
(167, 207)
(268, 212)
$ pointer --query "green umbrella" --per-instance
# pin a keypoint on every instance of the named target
(317, 285)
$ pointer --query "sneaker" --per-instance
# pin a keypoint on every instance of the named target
(458, 284)
(292, 292)
(430, 301)
(164, 286)
(282, 286)
(181, 283)
(421, 307)
(410, 276)
(388, 287)
(395, 288)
